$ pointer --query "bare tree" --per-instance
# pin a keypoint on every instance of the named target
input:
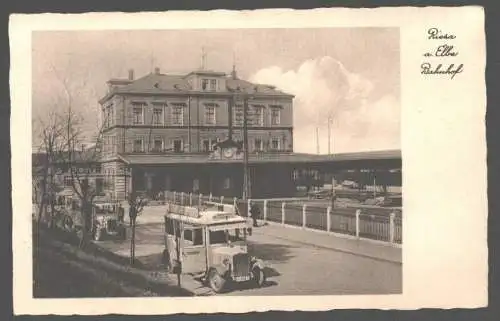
(82, 154)
(47, 164)
(83, 162)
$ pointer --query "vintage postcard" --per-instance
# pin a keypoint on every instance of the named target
(227, 161)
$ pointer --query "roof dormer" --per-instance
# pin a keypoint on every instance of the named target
(207, 81)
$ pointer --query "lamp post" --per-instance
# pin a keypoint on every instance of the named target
(237, 94)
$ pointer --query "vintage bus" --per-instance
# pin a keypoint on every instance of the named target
(209, 241)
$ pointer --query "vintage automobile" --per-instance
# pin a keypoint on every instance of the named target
(105, 222)
(209, 243)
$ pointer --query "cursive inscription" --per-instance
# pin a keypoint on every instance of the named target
(445, 51)
(435, 33)
(442, 52)
(452, 70)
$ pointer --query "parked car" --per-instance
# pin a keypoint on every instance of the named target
(105, 222)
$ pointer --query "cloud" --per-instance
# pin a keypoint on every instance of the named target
(323, 87)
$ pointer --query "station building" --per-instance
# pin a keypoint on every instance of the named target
(184, 133)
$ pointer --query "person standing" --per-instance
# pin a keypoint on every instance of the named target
(254, 213)
(121, 213)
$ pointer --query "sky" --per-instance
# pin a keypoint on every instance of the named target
(350, 75)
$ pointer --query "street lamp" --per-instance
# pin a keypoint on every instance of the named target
(246, 174)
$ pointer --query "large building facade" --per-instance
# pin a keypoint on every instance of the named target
(159, 129)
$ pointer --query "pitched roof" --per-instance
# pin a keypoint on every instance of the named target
(154, 83)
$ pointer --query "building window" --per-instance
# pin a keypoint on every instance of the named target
(114, 144)
(210, 114)
(206, 145)
(227, 183)
(157, 116)
(99, 186)
(275, 116)
(178, 115)
(138, 145)
(258, 144)
(275, 144)
(204, 84)
(68, 181)
(213, 84)
(138, 115)
(295, 174)
(258, 116)
(177, 145)
(238, 115)
(158, 145)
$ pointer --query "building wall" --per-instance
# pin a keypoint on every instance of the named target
(121, 133)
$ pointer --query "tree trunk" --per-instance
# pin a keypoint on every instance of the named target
(86, 224)
(42, 199)
(132, 243)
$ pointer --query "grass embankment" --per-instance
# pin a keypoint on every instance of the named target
(62, 270)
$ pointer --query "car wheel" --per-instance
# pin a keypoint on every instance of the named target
(216, 281)
(258, 276)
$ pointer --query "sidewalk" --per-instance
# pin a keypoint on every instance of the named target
(330, 241)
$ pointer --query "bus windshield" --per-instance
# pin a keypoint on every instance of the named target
(227, 236)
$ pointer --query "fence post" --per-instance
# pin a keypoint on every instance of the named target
(190, 199)
(265, 210)
(358, 212)
(222, 199)
(248, 208)
(182, 198)
(210, 197)
(328, 218)
(175, 194)
(200, 198)
(235, 202)
(283, 213)
(392, 227)
(304, 207)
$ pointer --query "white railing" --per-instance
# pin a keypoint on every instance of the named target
(379, 224)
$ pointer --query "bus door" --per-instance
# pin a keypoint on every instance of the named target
(172, 237)
(193, 249)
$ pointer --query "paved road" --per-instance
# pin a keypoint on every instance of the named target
(295, 268)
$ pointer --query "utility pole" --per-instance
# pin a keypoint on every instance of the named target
(329, 134)
(317, 139)
(189, 124)
(232, 103)
(246, 178)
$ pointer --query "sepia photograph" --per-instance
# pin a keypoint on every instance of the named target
(191, 162)
(245, 161)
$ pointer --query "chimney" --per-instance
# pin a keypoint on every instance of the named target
(157, 71)
(131, 74)
(233, 73)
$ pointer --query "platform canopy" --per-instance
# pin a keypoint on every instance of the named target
(255, 158)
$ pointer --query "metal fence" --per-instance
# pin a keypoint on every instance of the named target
(382, 224)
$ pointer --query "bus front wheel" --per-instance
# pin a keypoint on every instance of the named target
(216, 281)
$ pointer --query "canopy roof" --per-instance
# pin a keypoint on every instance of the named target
(172, 159)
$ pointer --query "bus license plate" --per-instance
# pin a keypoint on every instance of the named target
(241, 278)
